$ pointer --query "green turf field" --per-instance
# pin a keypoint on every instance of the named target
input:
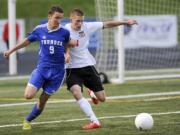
(116, 115)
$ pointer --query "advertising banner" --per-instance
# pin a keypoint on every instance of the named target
(152, 31)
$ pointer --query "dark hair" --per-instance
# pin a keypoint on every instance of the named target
(55, 9)
(77, 12)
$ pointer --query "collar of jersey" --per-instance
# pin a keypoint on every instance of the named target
(49, 31)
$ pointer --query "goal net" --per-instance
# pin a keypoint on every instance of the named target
(151, 49)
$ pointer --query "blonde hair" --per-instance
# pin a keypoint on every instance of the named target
(77, 12)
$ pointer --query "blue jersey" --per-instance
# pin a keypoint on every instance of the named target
(51, 45)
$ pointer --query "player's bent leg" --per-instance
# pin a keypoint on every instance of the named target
(30, 91)
(101, 95)
(36, 111)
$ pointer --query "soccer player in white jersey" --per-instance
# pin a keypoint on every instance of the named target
(80, 69)
(49, 73)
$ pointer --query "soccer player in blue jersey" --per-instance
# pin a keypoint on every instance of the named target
(49, 73)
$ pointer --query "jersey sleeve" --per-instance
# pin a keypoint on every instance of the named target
(33, 36)
(94, 26)
(67, 38)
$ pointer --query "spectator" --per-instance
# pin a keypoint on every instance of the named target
(6, 34)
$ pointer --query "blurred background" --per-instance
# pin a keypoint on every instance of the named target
(150, 49)
(30, 13)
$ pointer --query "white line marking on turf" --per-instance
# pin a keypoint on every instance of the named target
(31, 103)
(112, 97)
(82, 119)
(14, 78)
(145, 95)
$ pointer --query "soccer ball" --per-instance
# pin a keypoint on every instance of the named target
(144, 121)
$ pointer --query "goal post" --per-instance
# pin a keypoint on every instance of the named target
(111, 41)
(149, 50)
(120, 42)
(12, 35)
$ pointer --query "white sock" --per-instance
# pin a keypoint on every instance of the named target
(87, 109)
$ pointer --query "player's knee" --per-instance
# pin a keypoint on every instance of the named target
(28, 96)
(30, 91)
(102, 99)
(76, 93)
(101, 96)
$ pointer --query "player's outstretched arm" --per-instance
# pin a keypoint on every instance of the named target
(114, 23)
(24, 43)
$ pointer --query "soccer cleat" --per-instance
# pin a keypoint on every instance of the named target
(91, 125)
(93, 97)
(26, 125)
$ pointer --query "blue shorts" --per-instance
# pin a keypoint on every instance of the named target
(50, 79)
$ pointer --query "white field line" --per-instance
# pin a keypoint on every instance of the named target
(151, 77)
(14, 78)
(82, 119)
(111, 97)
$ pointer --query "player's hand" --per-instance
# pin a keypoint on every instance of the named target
(131, 22)
(73, 43)
(67, 57)
(7, 54)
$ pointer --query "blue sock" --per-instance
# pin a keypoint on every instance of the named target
(34, 113)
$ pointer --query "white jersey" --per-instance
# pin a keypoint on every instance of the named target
(80, 55)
